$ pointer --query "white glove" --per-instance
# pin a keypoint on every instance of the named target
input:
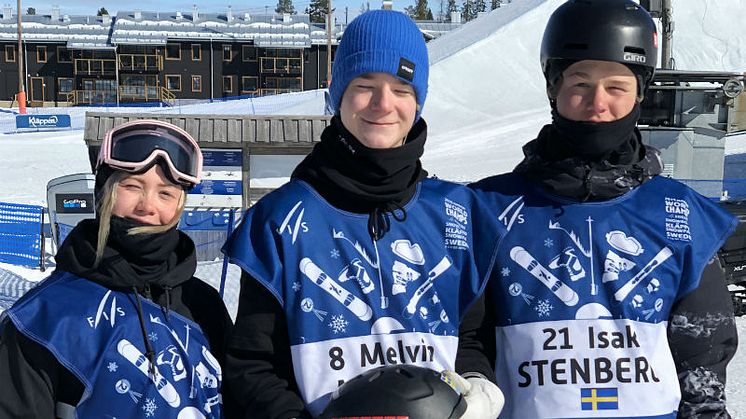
(484, 400)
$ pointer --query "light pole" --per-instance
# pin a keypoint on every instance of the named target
(329, 26)
(19, 56)
(667, 41)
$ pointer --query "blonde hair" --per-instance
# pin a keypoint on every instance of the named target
(107, 199)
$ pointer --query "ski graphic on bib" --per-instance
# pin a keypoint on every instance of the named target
(165, 388)
(532, 266)
(357, 306)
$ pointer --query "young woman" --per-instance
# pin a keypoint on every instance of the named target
(122, 328)
(609, 301)
(360, 260)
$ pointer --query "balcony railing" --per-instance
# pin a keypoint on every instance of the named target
(140, 62)
(89, 97)
(95, 66)
(267, 92)
(126, 94)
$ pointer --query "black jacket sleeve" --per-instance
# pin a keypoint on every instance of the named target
(259, 373)
(703, 339)
(476, 342)
(31, 378)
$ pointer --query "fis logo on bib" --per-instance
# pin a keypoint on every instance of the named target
(293, 222)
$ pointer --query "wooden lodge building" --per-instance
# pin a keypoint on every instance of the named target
(160, 56)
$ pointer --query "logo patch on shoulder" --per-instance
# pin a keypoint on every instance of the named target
(406, 69)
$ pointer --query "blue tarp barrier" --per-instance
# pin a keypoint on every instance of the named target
(21, 239)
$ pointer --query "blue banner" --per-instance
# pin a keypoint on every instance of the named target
(43, 121)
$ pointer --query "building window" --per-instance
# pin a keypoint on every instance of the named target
(196, 83)
(284, 84)
(173, 82)
(227, 84)
(173, 52)
(248, 53)
(41, 54)
(10, 53)
(63, 55)
(249, 84)
(65, 85)
(196, 52)
(227, 53)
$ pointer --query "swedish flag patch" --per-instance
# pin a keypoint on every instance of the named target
(599, 398)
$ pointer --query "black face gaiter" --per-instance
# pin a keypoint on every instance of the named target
(356, 178)
(590, 161)
(593, 141)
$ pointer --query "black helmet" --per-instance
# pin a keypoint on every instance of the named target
(603, 30)
(396, 391)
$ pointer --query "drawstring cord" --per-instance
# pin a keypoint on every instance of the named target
(167, 290)
(149, 352)
(378, 219)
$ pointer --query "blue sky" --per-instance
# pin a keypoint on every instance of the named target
(85, 7)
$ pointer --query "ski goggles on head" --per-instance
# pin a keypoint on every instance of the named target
(134, 146)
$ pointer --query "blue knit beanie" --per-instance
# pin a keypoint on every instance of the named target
(381, 41)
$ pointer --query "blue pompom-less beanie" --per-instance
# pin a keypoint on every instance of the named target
(381, 41)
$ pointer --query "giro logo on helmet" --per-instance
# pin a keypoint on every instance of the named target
(634, 58)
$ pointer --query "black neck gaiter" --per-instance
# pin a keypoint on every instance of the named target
(142, 250)
(593, 141)
(590, 161)
(359, 179)
(128, 260)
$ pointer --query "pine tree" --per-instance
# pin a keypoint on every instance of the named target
(285, 6)
(317, 10)
(419, 11)
(479, 6)
(102, 11)
(452, 7)
(31, 11)
(468, 11)
(495, 4)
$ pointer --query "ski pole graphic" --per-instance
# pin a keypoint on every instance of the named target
(661, 257)
(594, 286)
(357, 306)
(164, 387)
(441, 267)
(559, 288)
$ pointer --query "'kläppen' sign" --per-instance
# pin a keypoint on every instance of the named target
(43, 121)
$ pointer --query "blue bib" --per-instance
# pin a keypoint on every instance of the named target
(95, 333)
(584, 292)
(352, 303)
